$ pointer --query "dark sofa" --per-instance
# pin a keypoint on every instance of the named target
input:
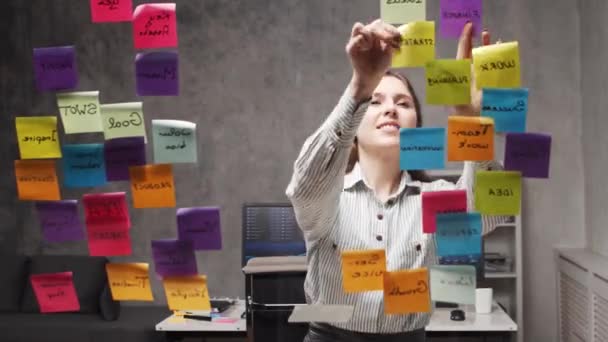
(99, 319)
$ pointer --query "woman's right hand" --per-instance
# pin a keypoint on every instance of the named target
(370, 50)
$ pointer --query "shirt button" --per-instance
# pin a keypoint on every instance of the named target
(390, 202)
(380, 216)
(379, 237)
(339, 133)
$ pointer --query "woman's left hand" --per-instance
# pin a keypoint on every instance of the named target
(465, 51)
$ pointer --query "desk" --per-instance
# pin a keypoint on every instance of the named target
(496, 324)
(175, 331)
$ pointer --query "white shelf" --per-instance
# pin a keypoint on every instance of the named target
(500, 275)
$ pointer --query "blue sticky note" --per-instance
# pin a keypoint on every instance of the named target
(83, 165)
(507, 106)
(459, 235)
(422, 148)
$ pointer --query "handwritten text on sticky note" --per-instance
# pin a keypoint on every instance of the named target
(120, 154)
(187, 293)
(201, 225)
(155, 26)
(448, 82)
(55, 292)
(174, 141)
(497, 66)
(363, 270)
(152, 186)
(453, 283)
(459, 234)
(438, 202)
(498, 192)
(157, 73)
(456, 13)
(123, 120)
(59, 220)
(508, 108)
(529, 153)
(105, 208)
(108, 239)
(174, 257)
(79, 112)
(37, 137)
(129, 281)
(111, 10)
(37, 180)
(422, 148)
(402, 11)
(83, 165)
(55, 68)
(470, 138)
(406, 292)
(417, 45)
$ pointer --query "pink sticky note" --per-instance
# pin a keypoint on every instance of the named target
(108, 240)
(104, 11)
(55, 292)
(106, 208)
(155, 26)
(441, 202)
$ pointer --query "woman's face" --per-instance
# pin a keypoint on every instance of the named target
(391, 108)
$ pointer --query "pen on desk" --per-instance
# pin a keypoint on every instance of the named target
(198, 318)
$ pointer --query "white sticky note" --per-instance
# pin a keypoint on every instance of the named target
(321, 313)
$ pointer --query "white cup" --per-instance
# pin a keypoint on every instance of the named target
(483, 300)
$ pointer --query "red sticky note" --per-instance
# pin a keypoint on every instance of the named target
(55, 292)
(106, 209)
(108, 240)
(155, 26)
(111, 10)
(441, 202)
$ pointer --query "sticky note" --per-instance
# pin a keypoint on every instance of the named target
(201, 225)
(120, 154)
(422, 148)
(406, 292)
(79, 111)
(174, 141)
(37, 136)
(59, 221)
(37, 180)
(508, 107)
(105, 11)
(497, 66)
(155, 26)
(417, 45)
(123, 120)
(174, 257)
(108, 239)
(187, 293)
(152, 186)
(55, 68)
(55, 292)
(157, 73)
(529, 153)
(109, 209)
(470, 138)
(453, 283)
(438, 202)
(458, 234)
(498, 192)
(363, 270)
(455, 14)
(448, 82)
(129, 281)
(402, 12)
(83, 165)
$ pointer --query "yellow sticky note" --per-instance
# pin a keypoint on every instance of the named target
(407, 292)
(497, 66)
(37, 136)
(498, 192)
(152, 186)
(187, 293)
(129, 281)
(79, 111)
(417, 45)
(37, 180)
(177, 319)
(399, 12)
(470, 138)
(362, 270)
(121, 120)
(448, 82)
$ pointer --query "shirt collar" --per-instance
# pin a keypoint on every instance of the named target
(356, 175)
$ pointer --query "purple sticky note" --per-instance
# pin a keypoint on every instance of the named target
(60, 221)
(55, 68)
(455, 14)
(529, 153)
(120, 153)
(174, 257)
(201, 225)
(156, 73)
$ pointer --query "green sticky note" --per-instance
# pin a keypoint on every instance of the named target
(79, 111)
(448, 82)
(453, 283)
(417, 45)
(498, 192)
(174, 141)
(121, 120)
(399, 12)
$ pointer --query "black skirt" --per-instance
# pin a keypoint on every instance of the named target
(326, 333)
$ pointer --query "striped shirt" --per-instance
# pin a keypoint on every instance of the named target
(339, 212)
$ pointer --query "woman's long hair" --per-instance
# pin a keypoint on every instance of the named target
(354, 153)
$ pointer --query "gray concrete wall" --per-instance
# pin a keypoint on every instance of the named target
(257, 78)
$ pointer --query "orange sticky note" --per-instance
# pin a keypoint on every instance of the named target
(152, 186)
(407, 292)
(470, 138)
(362, 270)
(129, 281)
(37, 180)
(187, 293)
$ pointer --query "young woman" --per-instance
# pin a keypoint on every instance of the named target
(375, 205)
